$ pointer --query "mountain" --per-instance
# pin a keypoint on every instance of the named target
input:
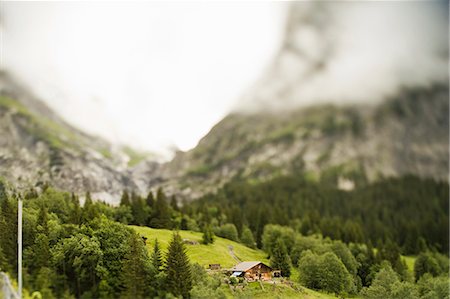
(276, 130)
(38, 147)
(279, 129)
(407, 134)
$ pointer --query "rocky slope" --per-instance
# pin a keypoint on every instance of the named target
(285, 125)
(37, 147)
(404, 133)
(407, 134)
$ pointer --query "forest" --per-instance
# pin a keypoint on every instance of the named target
(346, 243)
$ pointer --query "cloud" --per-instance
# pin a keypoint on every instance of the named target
(354, 52)
(148, 74)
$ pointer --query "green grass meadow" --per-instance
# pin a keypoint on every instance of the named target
(218, 253)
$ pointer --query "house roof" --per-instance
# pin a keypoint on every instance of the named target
(244, 266)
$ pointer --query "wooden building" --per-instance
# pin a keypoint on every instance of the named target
(252, 271)
(214, 266)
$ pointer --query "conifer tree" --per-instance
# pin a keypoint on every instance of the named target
(157, 259)
(75, 216)
(138, 210)
(41, 251)
(174, 203)
(280, 259)
(125, 199)
(150, 199)
(178, 269)
(425, 263)
(184, 223)
(8, 229)
(42, 220)
(136, 272)
(161, 213)
(89, 209)
(44, 281)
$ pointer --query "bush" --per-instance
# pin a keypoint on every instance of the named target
(425, 263)
(247, 237)
(227, 231)
(387, 285)
(208, 236)
(271, 235)
(325, 272)
(204, 285)
(434, 287)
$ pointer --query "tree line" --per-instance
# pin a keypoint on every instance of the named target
(339, 242)
(409, 211)
(355, 268)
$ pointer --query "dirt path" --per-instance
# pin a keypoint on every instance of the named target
(233, 255)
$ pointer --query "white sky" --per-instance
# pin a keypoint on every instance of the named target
(149, 74)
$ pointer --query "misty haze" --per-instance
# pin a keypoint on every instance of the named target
(224, 149)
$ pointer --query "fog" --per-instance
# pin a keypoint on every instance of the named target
(354, 52)
(153, 75)
(159, 75)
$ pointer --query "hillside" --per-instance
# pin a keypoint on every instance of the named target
(276, 129)
(407, 134)
(37, 147)
(219, 252)
(298, 117)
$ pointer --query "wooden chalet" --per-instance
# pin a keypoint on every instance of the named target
(252, 271)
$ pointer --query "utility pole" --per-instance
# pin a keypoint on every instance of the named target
(19, 242)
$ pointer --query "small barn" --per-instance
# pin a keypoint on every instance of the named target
(252, 271)
(214, 266)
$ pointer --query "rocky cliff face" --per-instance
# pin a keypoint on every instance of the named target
(37, 147)
(285, 125)
(407, 134)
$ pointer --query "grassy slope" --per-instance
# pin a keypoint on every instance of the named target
(218, 253)
(410, 260)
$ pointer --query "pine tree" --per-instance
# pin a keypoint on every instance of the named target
(178, 269)
(8, 229)
(136, 272)
(280, 259)
(208, 235)
(138, 209)
(184, 223)
(89, 209)
(370, 253)
(42, 220)
(41, 250)
(43, 282)
(381, 287)
(150, 199)
(75, 216)
(425, 263)
(125, 199)
(161, 213)
(174, 203)
(156, 258)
